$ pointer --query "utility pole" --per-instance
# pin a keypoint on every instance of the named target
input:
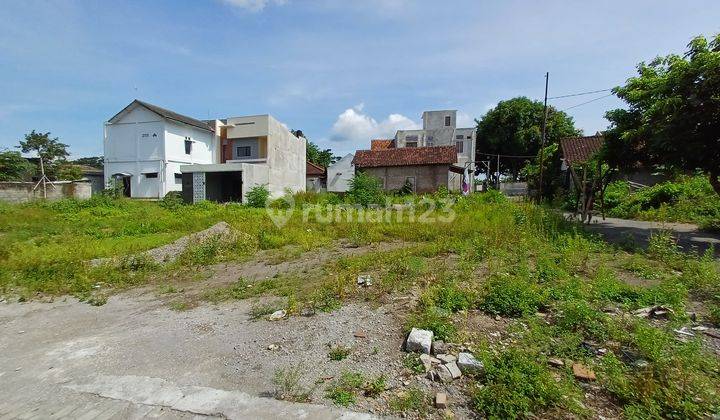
(542, 139)
(497, 182)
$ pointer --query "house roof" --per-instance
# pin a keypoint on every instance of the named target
(406, 156)
(166, 113)
(313, 169)
(382, 144)
(581, 149)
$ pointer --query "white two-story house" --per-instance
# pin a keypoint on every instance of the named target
(151, 151)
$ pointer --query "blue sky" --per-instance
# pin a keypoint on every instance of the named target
(342, 71)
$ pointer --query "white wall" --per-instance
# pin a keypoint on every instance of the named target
(286, 159)
(141, 142)
(340, 173)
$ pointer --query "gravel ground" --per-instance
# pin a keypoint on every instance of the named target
(68, 354)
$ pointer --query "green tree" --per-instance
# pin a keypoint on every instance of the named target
(69, 172)
(365, 189)
(94, 161)
(514, 127)
(49, 150)
(673, 115)
(14, 167)
(314, 154)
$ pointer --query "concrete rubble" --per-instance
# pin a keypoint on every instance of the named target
(419, 341)
(468, 364)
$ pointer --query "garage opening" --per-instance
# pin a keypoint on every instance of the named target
(223, 187)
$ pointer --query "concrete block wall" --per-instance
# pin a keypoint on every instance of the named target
(22, 192)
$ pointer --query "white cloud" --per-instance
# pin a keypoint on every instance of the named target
(353, 126)
(254, 5)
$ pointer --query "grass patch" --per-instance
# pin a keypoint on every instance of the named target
(339, 352)
(411, 400)
(343, 391)
(288, 385)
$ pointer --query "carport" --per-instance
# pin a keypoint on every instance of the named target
(221, 183)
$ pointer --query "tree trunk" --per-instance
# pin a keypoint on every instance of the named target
(714, 181)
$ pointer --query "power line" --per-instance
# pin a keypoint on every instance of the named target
(508, 156)
(586, 102)
(580, 94)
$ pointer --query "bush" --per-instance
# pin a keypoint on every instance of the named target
(365, 190)
(172, 200)
(516, 385)
(257, 196)
(511, 296)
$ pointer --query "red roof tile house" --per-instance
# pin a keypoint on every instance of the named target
(315, 177)
(425, 168)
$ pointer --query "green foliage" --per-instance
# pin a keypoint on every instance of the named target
(375, 387)
(46, 148)
(68, 172)
(339, 352)
(257, 196)
(343, 391)
(687, 199)
(412, 399)
(672, 117)
(679, 381)
(435, 319)
(172, 200)
(511, 296)
(14, 167)
(517, 385)
(365, 190)
(514, 127)
(314, 154)
(412, 361)
(288, 385)
(94, 161)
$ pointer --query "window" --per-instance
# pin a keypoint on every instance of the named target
(243, 151)
(469, 137)
(458, 137)
(411, 141)
(447, 121)
(430, 141)
(411, 181)
(459, 147)
(178, 178)
(188, 145)
(150, 175)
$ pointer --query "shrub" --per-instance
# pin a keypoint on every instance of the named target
(511, 296)
(343, 391)
(288, 386)
(365, 190)
(516, 385)
(172, 200)
(257, 196)
(338, 352)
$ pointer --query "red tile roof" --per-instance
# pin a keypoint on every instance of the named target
(406, 156)
(382, 144)
(313, 169)
(581, 149)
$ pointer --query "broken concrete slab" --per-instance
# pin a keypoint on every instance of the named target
(454, 370)
(468, 364)
(439, 347)
(443, 374)
(419, 341)
(277, 315)
(426, 360)
(446, 358)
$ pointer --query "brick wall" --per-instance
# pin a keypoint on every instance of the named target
(21, 192)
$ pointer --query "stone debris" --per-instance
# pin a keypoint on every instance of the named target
(468, 364)
(641, 363)
(364, 280)
(419, 341)
(441, 400)
(684, 331)
(446, 358)
(360, 334)
(556, 362)
(277, 315)
(655, 312)
(273, 347)
(454, 370)
(426, 361)
(583, 373)
(439, 347)
(443, 374)
(699, 328)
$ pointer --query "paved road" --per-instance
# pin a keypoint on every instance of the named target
(688, 236)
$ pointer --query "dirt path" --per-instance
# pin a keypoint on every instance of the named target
(133, 357)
